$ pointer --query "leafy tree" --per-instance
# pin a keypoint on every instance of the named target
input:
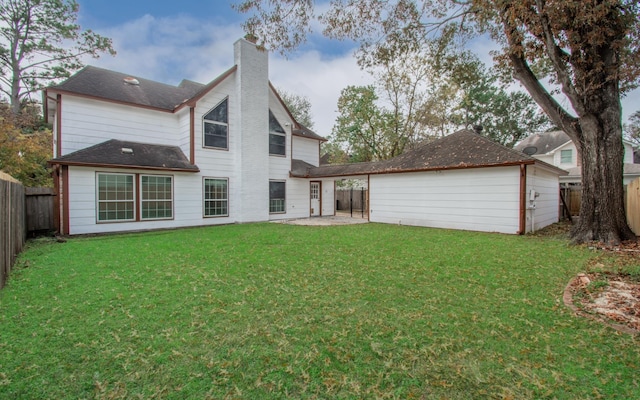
(40, 41)
(334, 153)
(632, 129)
(300, 107)
(589, 49)
(364, 128)
(25, 147)
(505, 116)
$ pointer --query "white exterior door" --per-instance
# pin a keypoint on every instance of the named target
(315, 199)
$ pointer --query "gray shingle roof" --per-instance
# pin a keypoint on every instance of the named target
(122, 154)
(303, 131)
(543, 142)
(463, 149)
(111, 85)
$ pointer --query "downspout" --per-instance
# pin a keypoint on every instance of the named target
(58, 125)
(369, 197)
(192, 135)
(56, 201)
(65, 201)
(523, 200)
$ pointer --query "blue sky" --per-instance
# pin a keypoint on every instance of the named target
(169, 41)
(173, 40)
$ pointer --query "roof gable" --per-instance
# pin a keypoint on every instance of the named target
(123, 154)
(298, 129)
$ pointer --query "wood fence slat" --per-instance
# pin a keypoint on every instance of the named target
(633, 205)
(12, 224)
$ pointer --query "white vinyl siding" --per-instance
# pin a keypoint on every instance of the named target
(479, 199)
(547, 204)
(306, 150)
(87, 122)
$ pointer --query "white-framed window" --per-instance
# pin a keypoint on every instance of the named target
(277, 137)
(156, 197)
(216, 126)
(566, 156)
(216, 197)
(115, 197)
(277, 197)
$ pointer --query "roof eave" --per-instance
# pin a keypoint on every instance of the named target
(421, 169)
(127, 103)
(120, 166)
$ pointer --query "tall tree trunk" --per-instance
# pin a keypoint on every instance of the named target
(602, 213)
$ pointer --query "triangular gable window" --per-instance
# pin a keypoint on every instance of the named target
(216, 126)
(277, 137)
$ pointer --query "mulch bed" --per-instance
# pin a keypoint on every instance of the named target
(609, 297)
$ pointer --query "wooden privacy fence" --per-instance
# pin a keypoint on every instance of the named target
(13, 230)
(352, 199)
(39, 209)
(633, 205)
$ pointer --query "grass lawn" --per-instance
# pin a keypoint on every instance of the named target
(279, 311)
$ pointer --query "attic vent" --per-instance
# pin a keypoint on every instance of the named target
(127, 150)
(131, 80)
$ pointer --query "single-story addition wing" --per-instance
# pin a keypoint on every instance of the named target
(461, 181)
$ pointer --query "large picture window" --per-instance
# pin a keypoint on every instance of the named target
(216, 126)
(277, 197)
(116, 197)
(277, 137)
(216, 197)
(156, 200)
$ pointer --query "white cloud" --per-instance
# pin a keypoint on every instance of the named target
(170, 49)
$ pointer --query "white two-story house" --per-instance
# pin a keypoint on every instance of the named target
(134, 154)
(556, 148)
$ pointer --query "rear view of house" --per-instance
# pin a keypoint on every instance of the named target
(134, 154)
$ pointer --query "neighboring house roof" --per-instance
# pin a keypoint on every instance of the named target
(116, 86)
(543, 143)
(122, 154)
(463, 149)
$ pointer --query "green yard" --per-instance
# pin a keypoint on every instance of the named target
(263, 311)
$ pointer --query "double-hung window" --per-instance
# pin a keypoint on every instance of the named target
(277, 197)
(216, 126)
(118, 202)
(216, 197)
(156, 199)
(277, 137)
(116, 197)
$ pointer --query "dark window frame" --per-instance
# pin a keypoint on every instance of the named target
(216, 124)
(277, 137)
(277, 205)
